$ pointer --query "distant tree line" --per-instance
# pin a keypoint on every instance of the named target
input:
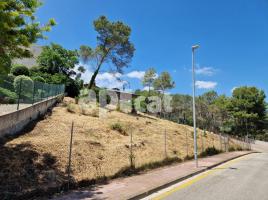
(244, 113)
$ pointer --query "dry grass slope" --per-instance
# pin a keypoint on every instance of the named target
(98, 148)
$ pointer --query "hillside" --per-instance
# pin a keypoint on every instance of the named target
(101, 146)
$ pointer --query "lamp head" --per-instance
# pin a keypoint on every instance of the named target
(195, 47)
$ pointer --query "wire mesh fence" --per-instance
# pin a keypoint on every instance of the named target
(21, 91)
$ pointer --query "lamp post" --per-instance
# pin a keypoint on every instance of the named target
(194, 115)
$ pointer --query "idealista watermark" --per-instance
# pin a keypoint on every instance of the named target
(125, 102)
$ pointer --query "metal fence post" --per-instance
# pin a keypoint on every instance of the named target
(221, 141)
(48, 87)
(33, 92)
(202, 141)
(70, 155)
(225, 143)
(42, 91)
(165, 138)
(18, 105)
(187, 148)
(131, 150)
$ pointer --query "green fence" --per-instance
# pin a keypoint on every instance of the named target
(21, 91)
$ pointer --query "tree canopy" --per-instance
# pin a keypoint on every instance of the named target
(18, 29)
(149, 77)
(163, 82)
(56, 59)
(113, 46)
(248, 109)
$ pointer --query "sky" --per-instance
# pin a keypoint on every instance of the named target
(232, 34)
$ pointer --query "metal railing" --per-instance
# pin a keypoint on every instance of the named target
(21, 92)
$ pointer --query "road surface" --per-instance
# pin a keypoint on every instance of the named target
(245, 178)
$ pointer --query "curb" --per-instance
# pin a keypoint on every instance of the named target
(151, 191)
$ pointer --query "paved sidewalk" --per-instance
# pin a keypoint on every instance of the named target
(137, 186)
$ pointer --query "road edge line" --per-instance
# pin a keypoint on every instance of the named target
(166, 185)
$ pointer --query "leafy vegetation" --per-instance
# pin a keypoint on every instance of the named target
(19, 29)
(210, 151)
(113, 46)
(6, 96)
(24, 86)
(57, 66)
(119, 127)
(148, 79)
(19, 70)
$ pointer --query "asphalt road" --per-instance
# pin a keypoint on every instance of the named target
(245, 178)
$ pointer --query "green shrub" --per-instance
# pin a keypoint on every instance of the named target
(7, 96)
(7, 82)
(210, 151)
(38, 79)
(20, 70)
(118, 127)
(24, 86)
(72, 88)
(71, 108)
(231, 149)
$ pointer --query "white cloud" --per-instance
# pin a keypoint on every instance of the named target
(208, 71)
(206, 84)
(136, 74)
(107, 80)
(232, 90)
(146, 88)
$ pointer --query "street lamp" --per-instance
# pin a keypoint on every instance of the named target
(194, 116)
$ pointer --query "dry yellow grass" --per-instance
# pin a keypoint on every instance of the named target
(100, 151)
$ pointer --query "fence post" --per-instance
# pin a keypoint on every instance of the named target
(48, 88)
(227, 143)
(165, 138)
(187, 149)
(33, 92)
(202, 141)
(70, 155)
(42, 91)
(221, 141)
(18, 105)
(131, 156)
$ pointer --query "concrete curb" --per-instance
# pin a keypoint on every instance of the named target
(151, 191)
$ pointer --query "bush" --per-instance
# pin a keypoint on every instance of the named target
(7, 82)
(72, 88)
(71, 108)
(38, 79)
(24, 86)
(89, 111)
(20, 70)
(210, 151)
(262, 137)
(7, 96)
(118, 127)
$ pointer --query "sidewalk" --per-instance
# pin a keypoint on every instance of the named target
(139, 186)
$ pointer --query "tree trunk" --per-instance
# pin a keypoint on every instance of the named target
(92, 80)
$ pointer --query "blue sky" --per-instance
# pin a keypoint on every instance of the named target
(232, 34)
